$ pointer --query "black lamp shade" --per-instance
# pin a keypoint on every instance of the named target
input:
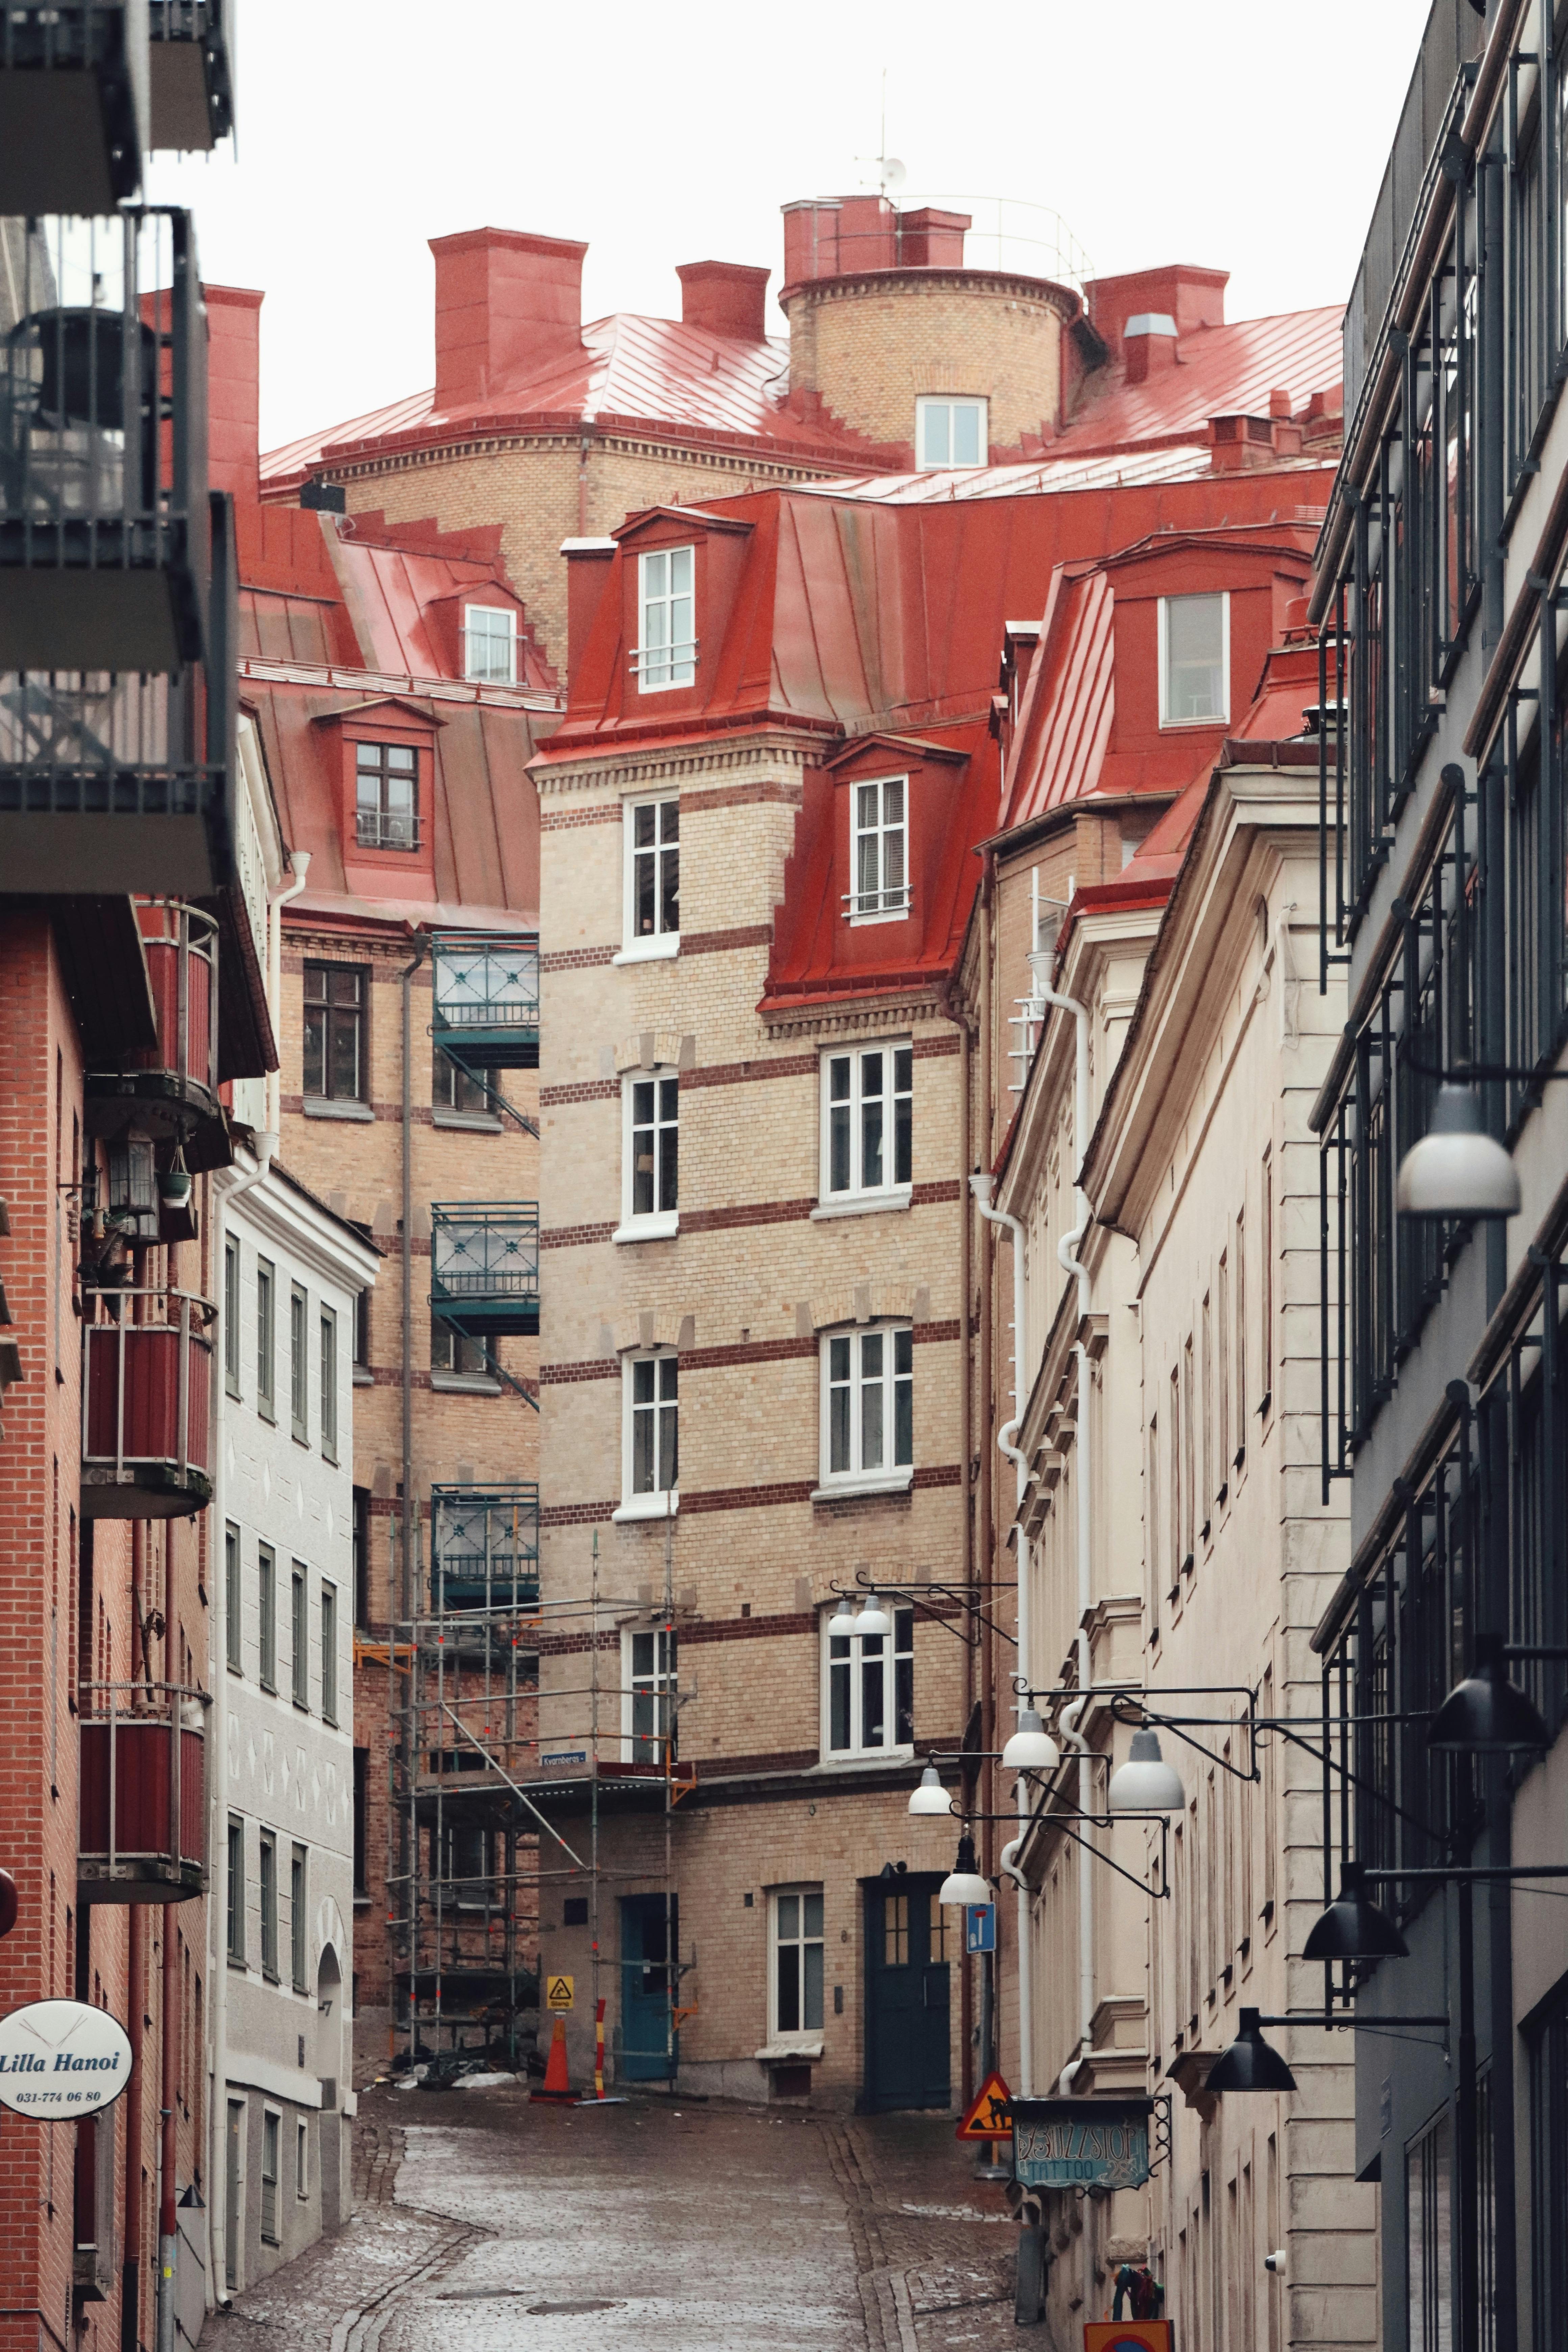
(1250, 2064)
(1486, 1715)
(1353, 1928)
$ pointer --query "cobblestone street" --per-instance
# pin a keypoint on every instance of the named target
(486, 2223)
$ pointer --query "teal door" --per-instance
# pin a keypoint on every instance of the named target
(907, 2041)
(649, 2052)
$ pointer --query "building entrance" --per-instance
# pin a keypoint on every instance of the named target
(906, 2049)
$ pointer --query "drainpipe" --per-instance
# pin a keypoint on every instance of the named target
(221, 1197)
(981, 1185)
(421, 941)
(299, 860)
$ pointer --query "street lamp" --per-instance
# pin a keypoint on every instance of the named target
(1353, 1928)
(931, 1797)
(1031, 1748)
(1458, 1169)
(1487, 1715)
(1146, 1783)
(964, 1882)
(843, 1618)
(873, 1618)
(1250, 2064)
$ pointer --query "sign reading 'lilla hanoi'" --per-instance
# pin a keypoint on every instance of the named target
(1081, 2143)
(61, 2058)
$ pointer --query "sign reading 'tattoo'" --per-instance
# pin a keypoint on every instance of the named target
(60, 2059)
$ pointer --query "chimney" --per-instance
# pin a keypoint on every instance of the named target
(1194, 297)
(1149, 344)
(810, 242)
(724, 298)
(932, 240)
(234, 390)
(505, 300)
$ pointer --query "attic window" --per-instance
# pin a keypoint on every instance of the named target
(386, 796)
(490, 644)
(666, 651)
(1194, 660)
(950, 432)
(879, 851)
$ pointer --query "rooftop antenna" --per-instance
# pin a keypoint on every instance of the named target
(890, 172)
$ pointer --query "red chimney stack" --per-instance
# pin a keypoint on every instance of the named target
(505, 300)
(725, 298)
(233, 390)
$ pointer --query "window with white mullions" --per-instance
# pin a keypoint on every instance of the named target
(653, 876)
(652, 1409)
(867, 1390)
(652, 1139)
(879, 848)
(490, 644)
(868, 1120)
(870, 1708)
(950, 432)
(649, 1710)
(667, 654)
(796, 1973)
(1194, 660)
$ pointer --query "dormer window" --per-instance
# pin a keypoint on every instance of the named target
(878, 850)
(386, 796)
(1194, 660)
(950, 432)
(490, 644)
(666, 650)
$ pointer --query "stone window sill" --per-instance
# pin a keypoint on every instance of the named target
(663, 1227)
(862, 1204)
(319, 1109)
(475, 1122)
(648, 1507)
(364, 1378)
(464, 1384)
(649, 951)
(788, 2053)
(849, 1489)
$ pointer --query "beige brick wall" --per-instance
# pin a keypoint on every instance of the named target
(871, 347)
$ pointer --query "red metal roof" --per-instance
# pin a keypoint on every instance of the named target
(1218, 372)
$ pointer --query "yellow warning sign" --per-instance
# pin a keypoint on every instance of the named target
(558, 1993)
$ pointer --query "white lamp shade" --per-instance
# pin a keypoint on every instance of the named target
(929, 1797)
(843, 1618)
(1458, 1169)
(962, 1886)
(1146, 1783)
(1031, 1748)
(873, 1618)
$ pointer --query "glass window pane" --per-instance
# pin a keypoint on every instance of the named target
(789, 1916)
(838, 1697)
(398, 755)
(965, 433)
(789, 1981)
(681, 563)
(655, 574)
(872, 1418)
(644, 816)
(811, 1905)
(903, 1140)
(669, 821)
(893, 800)
(668, 1374)
(838, 1078)
(813, 2018)
(838, 1456)
(871, 1144)
(1194, 641)
(642, 1381)
(872, 1725)
(935, 415)
(669, 891)
(838, 1178)
(669, 1458)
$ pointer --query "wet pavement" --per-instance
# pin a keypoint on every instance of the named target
(484, 2223)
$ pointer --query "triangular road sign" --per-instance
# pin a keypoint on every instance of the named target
(990, 2117)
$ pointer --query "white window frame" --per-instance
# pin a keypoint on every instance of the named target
(659, 1684)
(644, 947)
(896, 1645)
(925, 407)
(656, 1502)
(672, 663)
(857, 1198)
(797, 2037)
(491, 612)
(886, 1477)
(871, 906)
(1222, 717)
(649, 1224)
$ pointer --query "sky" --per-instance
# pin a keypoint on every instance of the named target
(1217, 132)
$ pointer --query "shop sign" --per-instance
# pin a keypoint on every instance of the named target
(61, 2058)
(1081, 2143)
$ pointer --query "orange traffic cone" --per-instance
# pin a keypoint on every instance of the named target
(557, 2084)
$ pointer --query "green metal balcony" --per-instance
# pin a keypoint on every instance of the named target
(484, 1266)
(484, 1547)
(486, 1014)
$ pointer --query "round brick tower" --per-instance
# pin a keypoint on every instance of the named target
(892, 333)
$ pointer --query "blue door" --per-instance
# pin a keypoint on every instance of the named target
(650, 1938)
(907, 2040)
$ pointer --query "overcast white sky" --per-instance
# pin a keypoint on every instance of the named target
(1217, 131)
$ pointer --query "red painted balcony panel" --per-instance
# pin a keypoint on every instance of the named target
(145, 1406)
(128, 1847)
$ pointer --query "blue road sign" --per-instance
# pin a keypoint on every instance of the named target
(980, 1927)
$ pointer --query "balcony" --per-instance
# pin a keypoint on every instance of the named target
(486, 1000)
(73, 105)
(146, 1449)
(142, 1835)
(190, 74)
(484, 1548)
(484, 1266)
(105, 526)
(169, 1096)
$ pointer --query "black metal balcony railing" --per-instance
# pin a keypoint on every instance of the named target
(484, 1266)
(190, 74)
(141, 1836)
(73, 105)
(146, 1449)
(485, 1010)
(104, 517)
(484, 1548)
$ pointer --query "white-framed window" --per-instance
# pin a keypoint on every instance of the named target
(647, 1692)
(950, 432)
(650, 1142)
(667, 604)
(1194, 660)
(650, 1470)
(651, 915)
(795, 1965)
(490, 644)
(868, 1690)
(878, 850)
(868, 1407)
(868, 1121)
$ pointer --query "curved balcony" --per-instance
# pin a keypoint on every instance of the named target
(143, 1827)
(484, 1266)
(485, 990)
(146, 1448)
(170, 1095)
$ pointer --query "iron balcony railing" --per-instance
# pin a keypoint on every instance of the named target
(104, 519)
(141, 1835)
(485, 1009)
(146, 1450)
(484, 1265)
(190, 73)
(484, 1548)
(73, 105)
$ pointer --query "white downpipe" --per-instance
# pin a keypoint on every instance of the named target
(299, 859)
(217, 1757)
(980, 1186)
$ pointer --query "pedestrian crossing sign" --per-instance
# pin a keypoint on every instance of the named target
(558, 1993)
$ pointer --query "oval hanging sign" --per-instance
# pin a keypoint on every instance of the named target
(61, 2058)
